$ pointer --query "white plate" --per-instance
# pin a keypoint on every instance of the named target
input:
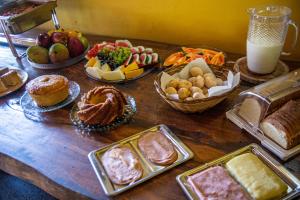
(23, 75)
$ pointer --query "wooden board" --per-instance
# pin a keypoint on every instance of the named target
(48, 151)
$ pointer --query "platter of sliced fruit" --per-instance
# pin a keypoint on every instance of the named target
(119, 61)
(57, 49)
(185, 55)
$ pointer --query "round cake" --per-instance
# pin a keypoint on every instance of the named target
(48, 90)
(101, 105)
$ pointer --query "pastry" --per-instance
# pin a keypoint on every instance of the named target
(101, 105)
(157, 148)
(171, 90)
(122, 165)
(198, 95)
(183, 93)
(173, 83)
(195, 89)
(210, 81)
(2, 87)
(10, 78)
(48, 90)
(258, 179)
(219, 81)
(216, 183)
(196, 71)
(184, 84)
(283, 126)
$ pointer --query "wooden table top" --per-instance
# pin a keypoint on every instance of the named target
(47, 150)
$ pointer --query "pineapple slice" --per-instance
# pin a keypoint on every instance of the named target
(91, 62)
(97, 64)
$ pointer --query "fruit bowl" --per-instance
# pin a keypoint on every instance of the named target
(57, 49)
(63, 64)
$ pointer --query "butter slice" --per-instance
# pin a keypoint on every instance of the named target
(258, 179)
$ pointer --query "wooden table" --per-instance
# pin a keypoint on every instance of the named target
(49, 152)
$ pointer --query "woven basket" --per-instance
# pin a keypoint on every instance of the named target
(197, 105)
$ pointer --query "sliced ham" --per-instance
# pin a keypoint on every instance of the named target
(157, 148)
(122, 165)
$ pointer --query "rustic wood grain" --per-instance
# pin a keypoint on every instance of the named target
(48, 151)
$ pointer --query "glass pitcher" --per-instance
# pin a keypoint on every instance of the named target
(266, 36)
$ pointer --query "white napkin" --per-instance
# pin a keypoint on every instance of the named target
(232, 81)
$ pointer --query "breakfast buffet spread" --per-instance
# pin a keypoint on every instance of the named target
(192, 79)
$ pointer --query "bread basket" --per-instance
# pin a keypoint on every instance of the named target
(198, 105)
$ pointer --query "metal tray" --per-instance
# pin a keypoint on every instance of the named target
(282, 153)
(24, 21)
(150, 169)
(292, 182)
(23, 75)
(63, 64)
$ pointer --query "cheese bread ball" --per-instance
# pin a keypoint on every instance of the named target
(184, 84)
(196, 71)
(183, 93)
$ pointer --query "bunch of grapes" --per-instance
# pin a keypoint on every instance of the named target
(114, 58)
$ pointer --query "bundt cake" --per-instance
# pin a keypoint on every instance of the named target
(101, 105)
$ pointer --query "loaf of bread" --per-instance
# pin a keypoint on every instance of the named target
(251, 110)
(283, 125)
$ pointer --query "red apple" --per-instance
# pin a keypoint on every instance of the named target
(75, 46)
(43, 40)
(59, 37)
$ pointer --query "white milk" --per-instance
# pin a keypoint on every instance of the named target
(263, 57)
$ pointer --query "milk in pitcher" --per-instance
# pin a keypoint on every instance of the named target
(262, 57)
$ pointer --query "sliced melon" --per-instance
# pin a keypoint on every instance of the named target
(105, 67)
(121, 67)
(134, 73)
(94, 72)
(113, 75)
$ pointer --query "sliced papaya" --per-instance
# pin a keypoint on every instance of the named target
(173, 58)
(134, 73)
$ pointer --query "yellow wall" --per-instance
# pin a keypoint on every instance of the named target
(222, 24)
